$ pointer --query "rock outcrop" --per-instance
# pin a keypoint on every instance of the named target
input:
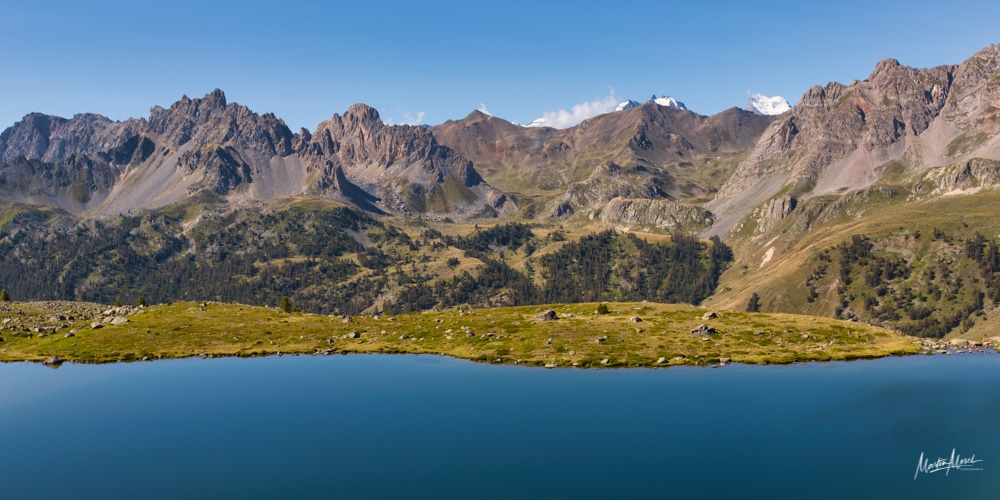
(661, 214)
(774, 211)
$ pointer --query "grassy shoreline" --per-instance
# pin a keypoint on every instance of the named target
(630, 335)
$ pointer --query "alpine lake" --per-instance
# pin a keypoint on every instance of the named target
(389, 426)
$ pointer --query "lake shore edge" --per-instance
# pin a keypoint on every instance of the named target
(588, 335)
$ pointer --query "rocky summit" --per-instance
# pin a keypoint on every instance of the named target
(870, 201)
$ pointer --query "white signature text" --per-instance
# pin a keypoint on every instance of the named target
(955, 462)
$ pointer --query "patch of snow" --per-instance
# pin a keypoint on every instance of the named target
(763, 105)
(667, 101)
(629, 104)
(537, 122)
(963, 192)
(767, 257)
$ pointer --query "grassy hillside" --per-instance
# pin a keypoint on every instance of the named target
(928, 268)
(579, 337)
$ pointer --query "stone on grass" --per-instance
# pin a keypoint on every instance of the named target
(709, 315)
(549, 315)
(702, 330)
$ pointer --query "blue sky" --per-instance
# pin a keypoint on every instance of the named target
(434, 61)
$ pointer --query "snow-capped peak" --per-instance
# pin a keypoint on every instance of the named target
(629, 104)
(537, 122)
(667, 101)
(764, 105)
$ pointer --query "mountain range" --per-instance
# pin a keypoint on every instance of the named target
(781, 185)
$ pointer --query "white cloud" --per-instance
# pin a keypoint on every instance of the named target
(407, 118)
(483, 110)
(579, 113)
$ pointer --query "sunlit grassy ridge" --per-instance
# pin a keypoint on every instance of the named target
(580, 337)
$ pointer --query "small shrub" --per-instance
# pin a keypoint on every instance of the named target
(603, 309)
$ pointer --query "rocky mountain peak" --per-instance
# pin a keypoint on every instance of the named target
(364, 116)
(818, 96)
(884, 68)
(29, 137)
(180, 119)
(51, 138)
(974, 95)
(981, 66)
(477, 116)
(212, 120)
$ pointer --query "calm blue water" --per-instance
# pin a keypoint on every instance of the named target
(422, 426)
